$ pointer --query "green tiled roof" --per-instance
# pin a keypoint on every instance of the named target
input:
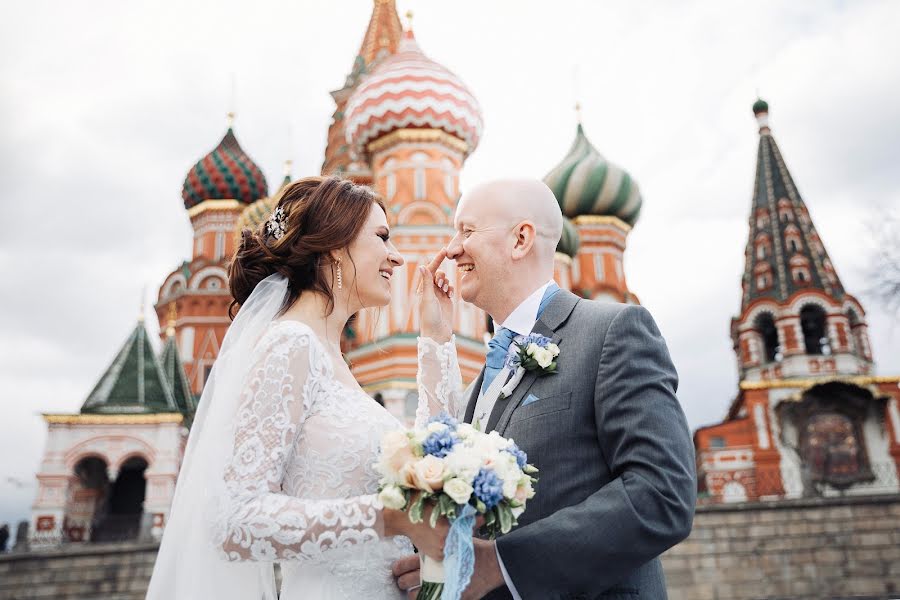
(134, 383)
(173, 369)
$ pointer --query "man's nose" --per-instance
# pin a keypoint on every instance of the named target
(454, 248)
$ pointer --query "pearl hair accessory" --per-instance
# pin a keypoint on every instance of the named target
(276, 226)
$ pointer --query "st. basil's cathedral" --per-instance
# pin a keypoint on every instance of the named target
(809, 417)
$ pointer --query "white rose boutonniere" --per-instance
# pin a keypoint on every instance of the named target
(532, 352)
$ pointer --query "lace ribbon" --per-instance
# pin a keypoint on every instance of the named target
(459, 554)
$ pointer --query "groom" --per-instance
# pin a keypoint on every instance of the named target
(617, 475)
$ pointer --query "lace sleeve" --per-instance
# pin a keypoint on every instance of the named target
(439, 380)
(259, 521)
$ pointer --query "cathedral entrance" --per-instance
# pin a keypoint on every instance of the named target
(88, 488)
(121, 515)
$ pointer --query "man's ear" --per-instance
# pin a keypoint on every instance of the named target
(526, 234)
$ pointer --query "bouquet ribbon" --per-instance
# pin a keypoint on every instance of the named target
(459, 554)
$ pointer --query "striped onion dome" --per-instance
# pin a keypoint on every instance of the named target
(585, 183)
(254, 214)
(569, 243)
(226, 173)
(409, 90)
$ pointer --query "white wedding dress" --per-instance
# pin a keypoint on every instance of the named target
(279, 468)
(301, 487)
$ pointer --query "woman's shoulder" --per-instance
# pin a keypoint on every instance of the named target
(287, 336)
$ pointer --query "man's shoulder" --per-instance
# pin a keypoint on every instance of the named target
(599, 311)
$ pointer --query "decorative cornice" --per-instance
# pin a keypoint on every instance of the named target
(417, 136)
(224, 204)
(390, 384)
(85, 419)
(602, 220)
(805, 383)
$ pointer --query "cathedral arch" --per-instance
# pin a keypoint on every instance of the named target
(421, 213)
(200, 277)
(175, 283)
(814, 327)
(764, 325)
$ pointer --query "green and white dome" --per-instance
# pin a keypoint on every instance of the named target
(569, 243)
(585, 183)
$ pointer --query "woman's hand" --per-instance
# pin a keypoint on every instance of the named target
(435, 296)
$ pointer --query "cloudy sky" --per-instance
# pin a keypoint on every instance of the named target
(104, 107)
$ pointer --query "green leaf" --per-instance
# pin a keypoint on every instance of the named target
(506, 518)
(435, 515)
(480, 507)
(417, 509)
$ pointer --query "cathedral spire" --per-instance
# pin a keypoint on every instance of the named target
(383, 33)
(784, 251)
(796, 320)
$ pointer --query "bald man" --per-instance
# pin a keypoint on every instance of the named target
(617, 474)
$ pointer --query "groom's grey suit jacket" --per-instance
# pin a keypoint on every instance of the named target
(617, 482)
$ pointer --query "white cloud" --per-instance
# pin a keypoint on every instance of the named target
(105, 109)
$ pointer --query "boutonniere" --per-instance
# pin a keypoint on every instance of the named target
(532, 352)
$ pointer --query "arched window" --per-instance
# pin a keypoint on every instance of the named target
(815, 336)
(734, 491)
(765, 325)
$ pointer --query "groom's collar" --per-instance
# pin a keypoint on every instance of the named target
(521, 320)
(556, 312)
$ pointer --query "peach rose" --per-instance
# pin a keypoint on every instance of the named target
(396, 451)
(426, 474)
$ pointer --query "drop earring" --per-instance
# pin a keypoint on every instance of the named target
(340, 275)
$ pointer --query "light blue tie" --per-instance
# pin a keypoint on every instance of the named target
(496, 356)
(498, 347)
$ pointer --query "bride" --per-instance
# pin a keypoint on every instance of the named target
(279, 464)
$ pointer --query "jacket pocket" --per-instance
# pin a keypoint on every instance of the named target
(542, 406)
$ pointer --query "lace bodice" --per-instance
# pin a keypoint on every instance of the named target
(301, 481)
(301, 488)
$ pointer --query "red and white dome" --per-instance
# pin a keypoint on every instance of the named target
(409, 90)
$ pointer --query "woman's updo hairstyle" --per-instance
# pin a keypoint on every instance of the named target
(321, 215)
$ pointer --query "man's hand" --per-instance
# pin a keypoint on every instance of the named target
(486, 578)
(435, 296)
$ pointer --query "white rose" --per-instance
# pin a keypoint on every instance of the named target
(458, 490)
(465, 431)
(436, 427)
(554, 349)
(532, 348)
(543, 358)
(510, 485)
(392, 497)
(463, 463)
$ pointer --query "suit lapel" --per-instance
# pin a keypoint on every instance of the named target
(473, 397)
(504, 408)
(555, 314)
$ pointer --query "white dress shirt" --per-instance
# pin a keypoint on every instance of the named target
(521, 321)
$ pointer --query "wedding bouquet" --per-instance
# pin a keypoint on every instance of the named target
(462, 473)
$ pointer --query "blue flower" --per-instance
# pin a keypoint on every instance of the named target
(446, 419)
(440, 443)
(535, 338)
(488, 488)
(521, 457)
